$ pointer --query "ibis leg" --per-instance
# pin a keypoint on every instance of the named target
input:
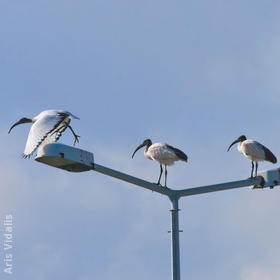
(252, 170)
(256, 169)
(75, 135)
(165, 176)
(158, 183)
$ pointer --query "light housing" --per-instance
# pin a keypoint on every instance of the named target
(271, 178)
(65, 157)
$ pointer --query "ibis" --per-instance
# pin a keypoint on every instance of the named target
(254, 151)
(46, 127)
(163, 153)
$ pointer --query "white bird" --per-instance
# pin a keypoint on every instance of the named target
(254, 151)
(46, 127)
(163, 153)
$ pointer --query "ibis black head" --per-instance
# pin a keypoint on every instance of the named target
(146, 142)
(239, 139)
(22, 120)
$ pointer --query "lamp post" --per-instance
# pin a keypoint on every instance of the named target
(76, 160)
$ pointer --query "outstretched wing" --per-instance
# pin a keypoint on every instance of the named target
(43, 128)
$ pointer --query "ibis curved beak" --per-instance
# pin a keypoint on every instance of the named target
(236, 141)
(22, 120)
(15, 124)
(139, 147)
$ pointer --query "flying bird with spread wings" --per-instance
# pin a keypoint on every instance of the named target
(46, 127)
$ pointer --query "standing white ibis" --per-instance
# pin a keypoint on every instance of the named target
(46, 127)
(163, 153)
(254, 151)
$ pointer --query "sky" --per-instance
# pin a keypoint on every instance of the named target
(194, 74)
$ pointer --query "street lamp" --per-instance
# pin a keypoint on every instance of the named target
(77, 160)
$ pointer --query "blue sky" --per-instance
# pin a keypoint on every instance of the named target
(193, 74)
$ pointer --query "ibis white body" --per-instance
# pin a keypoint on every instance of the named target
(162, 153)
(253, 150)
(46, 127)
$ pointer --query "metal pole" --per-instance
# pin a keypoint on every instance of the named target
(131, 179)
(174, 196)
(221, 187)
(175, 248)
